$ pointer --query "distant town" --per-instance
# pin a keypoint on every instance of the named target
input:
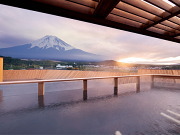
(108, 65)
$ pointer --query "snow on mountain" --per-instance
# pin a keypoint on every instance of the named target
(48, 47)
(51, 42)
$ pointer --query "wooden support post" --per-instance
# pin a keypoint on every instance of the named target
(152, 81)
(1, 69)
(84, 89)
(138, 84)
(41, 89)
(115, 86)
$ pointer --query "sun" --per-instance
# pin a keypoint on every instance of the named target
(133, 60)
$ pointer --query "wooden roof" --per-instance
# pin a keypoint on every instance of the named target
(155, 18)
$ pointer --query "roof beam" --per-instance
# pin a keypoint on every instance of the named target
(148, 8)
(176, 35)
(54, 10)
(160, 4)
(105, 7)
(175, 11)
(176, 2)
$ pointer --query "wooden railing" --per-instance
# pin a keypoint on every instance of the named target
(163, 76)
(41, 83)
(160, 72)
(11, 75)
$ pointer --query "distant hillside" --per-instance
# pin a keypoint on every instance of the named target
(121, 64)
(115, 63)
(12, 63)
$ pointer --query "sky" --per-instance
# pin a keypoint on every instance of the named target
(20, 26)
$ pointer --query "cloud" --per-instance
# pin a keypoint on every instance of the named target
(170, 59)
(20, 26)
(10, 40)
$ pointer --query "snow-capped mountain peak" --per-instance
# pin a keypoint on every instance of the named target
(48, 48)
(51, 42)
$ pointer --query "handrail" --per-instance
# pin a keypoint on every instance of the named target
(41, 87)
(89, 78)
(69, 79)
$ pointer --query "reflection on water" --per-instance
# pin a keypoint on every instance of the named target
(1, 95)
(41, 101)
(63, 111)
(167, 86)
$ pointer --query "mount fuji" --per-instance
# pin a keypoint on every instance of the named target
(48, 47)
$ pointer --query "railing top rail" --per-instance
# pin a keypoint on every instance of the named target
(161, 75)
(68, 79)
(90, 78)
(168, 75)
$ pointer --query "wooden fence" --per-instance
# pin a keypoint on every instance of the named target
(167, 72)
(41, 83)
(41, 86)
(43, 76)
(14, 75)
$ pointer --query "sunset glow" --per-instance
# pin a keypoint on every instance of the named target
(156, 61)
(133, 60)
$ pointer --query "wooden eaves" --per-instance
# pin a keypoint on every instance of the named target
(154, 18)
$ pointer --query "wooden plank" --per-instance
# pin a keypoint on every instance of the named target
(136, 11)
(145, 6)
(175, 12)
(156, 30)
(170, 24)
(174, 74)
(68, 5)
(10, 75)
(41, 89)
(166, 28)
(148, 8)
(115, 86)
(175, 20)
(122, 20)
(16, 74)
(127, 15)
(59, 80)
(167, 76)
(105, 7)
(176, 2)
(84, 89)
(1, 69)
(88, 3)
(160, 4)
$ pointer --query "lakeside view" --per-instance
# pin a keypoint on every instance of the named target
(64, 76)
